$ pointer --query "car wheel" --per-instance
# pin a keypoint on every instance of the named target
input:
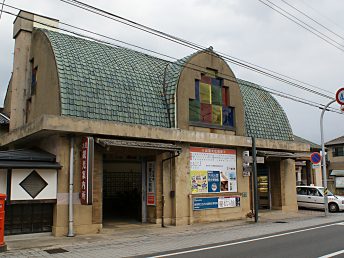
(333, 207)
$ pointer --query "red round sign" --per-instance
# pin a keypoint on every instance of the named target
(340, 96)
(315, 158)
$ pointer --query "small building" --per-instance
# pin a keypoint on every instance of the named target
(306, 172)
(139, 138)
(335, 168)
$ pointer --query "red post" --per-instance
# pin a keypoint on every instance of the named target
(3, 246)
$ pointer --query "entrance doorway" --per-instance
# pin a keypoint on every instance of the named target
(264, 188)
(122, 190)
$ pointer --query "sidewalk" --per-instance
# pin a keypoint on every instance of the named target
(139, 239)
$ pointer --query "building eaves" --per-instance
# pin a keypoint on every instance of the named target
(312, 144)
(339, 140)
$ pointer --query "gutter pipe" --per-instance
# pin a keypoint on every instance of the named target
(71, 184)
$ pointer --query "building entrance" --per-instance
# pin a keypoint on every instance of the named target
(122, 190)
(264, 193)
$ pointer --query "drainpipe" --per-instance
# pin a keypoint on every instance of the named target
(71, 177)
(162, 187)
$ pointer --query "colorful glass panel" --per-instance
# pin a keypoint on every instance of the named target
(194, 110)
(216, 114)
(205, 93)
(216, 95)
(228, 116)
(205, 79)
(197, 90)
(225, 101)
(206, 112)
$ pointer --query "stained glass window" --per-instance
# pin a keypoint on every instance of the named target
(211, 103)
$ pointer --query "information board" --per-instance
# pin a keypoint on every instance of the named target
(204, 203)
(212, 170)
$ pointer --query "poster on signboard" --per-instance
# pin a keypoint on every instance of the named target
(212, 170)
(199, 181)
(205, 203)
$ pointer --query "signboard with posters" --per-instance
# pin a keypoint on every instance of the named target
(87, 157)
(204, 203)
(212, 170)
(151, 183)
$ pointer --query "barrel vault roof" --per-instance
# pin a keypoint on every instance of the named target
(264, 116)
(99, 81)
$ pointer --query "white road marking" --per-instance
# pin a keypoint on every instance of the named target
(341, 223)
(243, 242)
(333, 254)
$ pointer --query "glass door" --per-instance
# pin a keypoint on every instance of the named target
(264, 193)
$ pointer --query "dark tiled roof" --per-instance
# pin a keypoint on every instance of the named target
(302, 140)
(264, 117)
(339, 140)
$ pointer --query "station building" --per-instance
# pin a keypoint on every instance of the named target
(120, 135)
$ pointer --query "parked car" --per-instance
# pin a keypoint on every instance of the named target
(313, 197)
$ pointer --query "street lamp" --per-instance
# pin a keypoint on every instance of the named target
(340, 99)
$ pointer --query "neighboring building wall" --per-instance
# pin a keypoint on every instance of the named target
(336, 162)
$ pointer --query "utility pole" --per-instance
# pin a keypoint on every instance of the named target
(255, 183)
(323, 165)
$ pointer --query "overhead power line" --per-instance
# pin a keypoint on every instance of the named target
(189, 66)
(315, 21)
(324, 16)
(2, 8)
(302, 24)
(258, 69)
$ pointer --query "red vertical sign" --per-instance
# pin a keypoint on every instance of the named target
(87, 154)
(151, 183)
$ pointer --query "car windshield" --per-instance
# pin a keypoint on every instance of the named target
(322, 192)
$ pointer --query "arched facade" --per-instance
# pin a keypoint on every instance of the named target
(169, 137)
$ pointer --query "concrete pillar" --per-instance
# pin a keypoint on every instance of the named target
(317, 176)
(21, 77)
(288, 185)
(22, 32)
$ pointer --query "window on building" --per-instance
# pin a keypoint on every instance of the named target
(338, 151)
(211, 104)
(33, 78)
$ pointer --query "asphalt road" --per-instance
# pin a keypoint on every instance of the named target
(325, 240)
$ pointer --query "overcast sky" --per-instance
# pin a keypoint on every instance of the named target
(244, 29)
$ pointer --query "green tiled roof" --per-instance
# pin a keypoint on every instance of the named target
(103, 82)
(264, 117)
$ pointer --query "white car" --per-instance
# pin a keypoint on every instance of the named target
(313, 197)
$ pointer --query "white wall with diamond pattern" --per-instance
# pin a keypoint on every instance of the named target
(45, 183)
